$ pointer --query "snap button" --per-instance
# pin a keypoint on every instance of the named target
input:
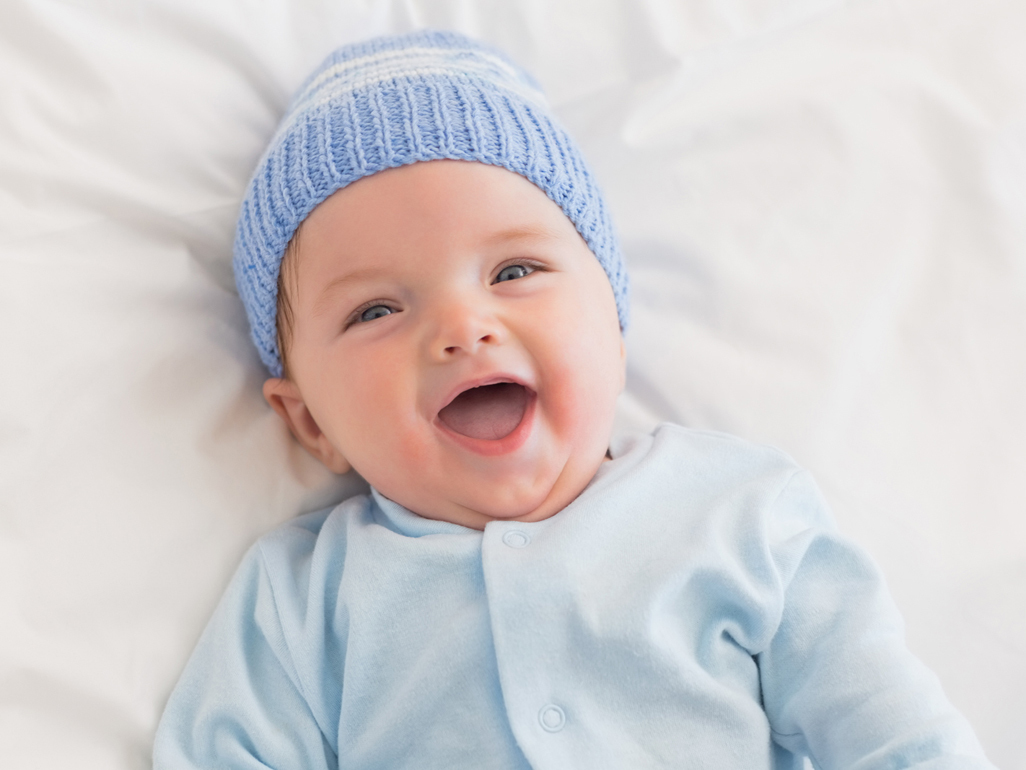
(516, 539)
(552, 718)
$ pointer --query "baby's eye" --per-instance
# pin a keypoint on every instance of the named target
(373, 312)
(512, 272)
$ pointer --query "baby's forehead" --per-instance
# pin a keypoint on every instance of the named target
(465, 204)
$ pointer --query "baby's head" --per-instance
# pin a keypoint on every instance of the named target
(432, 279)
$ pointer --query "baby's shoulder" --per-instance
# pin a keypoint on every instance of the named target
(309, 549)
(692, 475)
(304, 531)
(708, 452)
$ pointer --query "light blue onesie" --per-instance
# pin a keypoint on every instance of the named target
(694, 607)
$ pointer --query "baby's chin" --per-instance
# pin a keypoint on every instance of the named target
(535, 501)
(476, 510)
(476, 515)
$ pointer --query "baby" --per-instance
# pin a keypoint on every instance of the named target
(432, 279)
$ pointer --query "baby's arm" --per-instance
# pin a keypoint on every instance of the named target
(838, 681)
(240, 703)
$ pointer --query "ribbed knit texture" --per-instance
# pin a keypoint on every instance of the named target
(397, 100)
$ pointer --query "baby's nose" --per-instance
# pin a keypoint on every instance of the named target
(484, 339)
(464, 329)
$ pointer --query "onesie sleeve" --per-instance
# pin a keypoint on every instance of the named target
(240, 703)
(839, 684)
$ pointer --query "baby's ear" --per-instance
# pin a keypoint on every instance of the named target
(285, 398)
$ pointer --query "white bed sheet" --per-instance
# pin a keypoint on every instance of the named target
(823, 208)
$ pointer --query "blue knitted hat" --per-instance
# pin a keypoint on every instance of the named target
(396, 100)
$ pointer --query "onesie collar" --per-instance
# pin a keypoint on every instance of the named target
(626, 453)
(406, 522)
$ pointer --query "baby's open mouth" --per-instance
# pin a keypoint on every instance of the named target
(489, 412)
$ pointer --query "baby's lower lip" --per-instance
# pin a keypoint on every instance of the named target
(500, 446)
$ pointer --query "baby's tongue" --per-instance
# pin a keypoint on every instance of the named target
(489, 412)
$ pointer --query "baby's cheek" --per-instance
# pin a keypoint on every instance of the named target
(593, 386)
(361, 405)
(579, 394)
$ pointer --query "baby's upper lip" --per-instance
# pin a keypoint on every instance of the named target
(477, 382)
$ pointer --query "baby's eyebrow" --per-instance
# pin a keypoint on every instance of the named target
(522, 233)
(340, 281)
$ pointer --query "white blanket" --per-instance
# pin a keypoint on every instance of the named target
(823, 208)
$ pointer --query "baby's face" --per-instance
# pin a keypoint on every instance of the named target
(455, 341)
